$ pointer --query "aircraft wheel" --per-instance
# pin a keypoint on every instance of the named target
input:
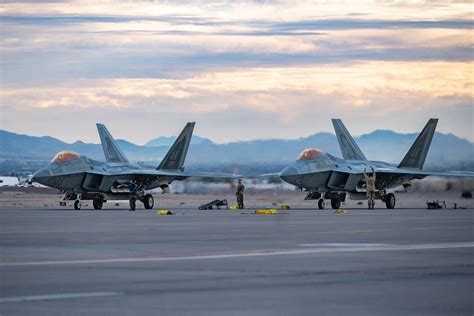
(335, 203)
(321, 204)
(77, 204)
(148, 201)
(98, 203)
(390, 201)
(133, 204)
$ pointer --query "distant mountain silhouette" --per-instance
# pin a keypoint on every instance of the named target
(446, 149)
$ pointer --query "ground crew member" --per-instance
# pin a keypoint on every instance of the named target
(370, 180)
(240, 195)
(133, 187)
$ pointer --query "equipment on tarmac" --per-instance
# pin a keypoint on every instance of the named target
(216, 203)
(433, 205)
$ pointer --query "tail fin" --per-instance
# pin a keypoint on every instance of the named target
(174, 159)
(416, 156)
(349, 148)
(112, 151)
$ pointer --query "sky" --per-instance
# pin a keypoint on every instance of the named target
(241, 69)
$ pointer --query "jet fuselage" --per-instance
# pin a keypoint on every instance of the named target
(85, 175)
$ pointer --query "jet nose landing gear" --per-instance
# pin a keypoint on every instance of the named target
(77, 202)
(77, 205)
(321, 204)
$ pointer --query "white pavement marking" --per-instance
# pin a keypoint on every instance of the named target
(30, 298)
(440, 227)
(344, 245)
(255, 253)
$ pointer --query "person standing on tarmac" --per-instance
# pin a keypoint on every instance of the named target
(240, 195)
(370, 180)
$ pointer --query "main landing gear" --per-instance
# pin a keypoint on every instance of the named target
(98, 203)
(389, 200)
(336, 199)
(335, 203)
(147, 200)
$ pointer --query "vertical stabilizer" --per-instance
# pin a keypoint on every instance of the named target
(112, 151)
(349, 148)
(174, 159)
(416, 156)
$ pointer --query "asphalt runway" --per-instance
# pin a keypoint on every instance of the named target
(297, 262)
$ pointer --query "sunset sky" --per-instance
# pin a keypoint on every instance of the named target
(241, 69)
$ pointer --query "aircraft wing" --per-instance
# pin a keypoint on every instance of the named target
(415, 172)
(269, 175)
(221, 175)
(177, 174)
(349, 179)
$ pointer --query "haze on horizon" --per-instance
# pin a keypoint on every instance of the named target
(242, 70)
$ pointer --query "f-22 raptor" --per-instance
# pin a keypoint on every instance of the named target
(82, 178)
(327, 177)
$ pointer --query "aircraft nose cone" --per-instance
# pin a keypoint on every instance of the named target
(41, 176)
(289, 174)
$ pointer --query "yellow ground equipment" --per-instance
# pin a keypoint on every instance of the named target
(266, 212)
(341, 212)
(284, 207)
(164, 212)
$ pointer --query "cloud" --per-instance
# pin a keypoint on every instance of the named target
(244, 69)
(281, 96)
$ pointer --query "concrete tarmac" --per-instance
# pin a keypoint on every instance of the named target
(296, 262)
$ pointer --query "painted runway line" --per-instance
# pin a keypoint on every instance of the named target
(344, 245)
(30, 298)
(254, 253)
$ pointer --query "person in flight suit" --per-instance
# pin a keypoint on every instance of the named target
(240, 195)
(370, 180)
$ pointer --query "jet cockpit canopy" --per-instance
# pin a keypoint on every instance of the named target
(64, 156)
(317, 157)
(311, 154)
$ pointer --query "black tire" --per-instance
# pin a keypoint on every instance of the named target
(321, 204)
(77, 204)
(133, 204)
(390, 201)
(148, 201)
(335, 204)
(98, 203)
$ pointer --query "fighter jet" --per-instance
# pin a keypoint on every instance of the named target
(325, 176)
(82, 178)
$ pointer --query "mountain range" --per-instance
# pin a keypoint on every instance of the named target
(385, 145)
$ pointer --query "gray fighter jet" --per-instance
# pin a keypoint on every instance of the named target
(82, 178)
(327, 177)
